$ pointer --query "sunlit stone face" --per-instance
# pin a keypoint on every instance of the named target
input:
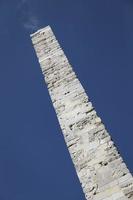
(101, 170)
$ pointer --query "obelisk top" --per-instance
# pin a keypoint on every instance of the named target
(41, 31)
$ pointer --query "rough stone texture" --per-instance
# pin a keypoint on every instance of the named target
(99, 166)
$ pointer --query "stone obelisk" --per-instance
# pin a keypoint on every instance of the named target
(100, 168)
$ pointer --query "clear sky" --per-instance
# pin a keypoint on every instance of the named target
(97, 37)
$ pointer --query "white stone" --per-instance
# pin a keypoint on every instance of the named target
(100, 169)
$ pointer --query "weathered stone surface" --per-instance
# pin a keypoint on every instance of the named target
(100, 169)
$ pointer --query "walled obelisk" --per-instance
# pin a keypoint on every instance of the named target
(100, 168)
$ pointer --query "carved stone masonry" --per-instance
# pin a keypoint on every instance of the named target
(100, 168)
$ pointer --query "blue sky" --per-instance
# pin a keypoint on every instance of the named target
(97, 37)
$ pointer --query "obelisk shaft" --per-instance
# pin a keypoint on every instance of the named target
(100, 168)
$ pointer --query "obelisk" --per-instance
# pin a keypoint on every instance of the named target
(101, 170)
